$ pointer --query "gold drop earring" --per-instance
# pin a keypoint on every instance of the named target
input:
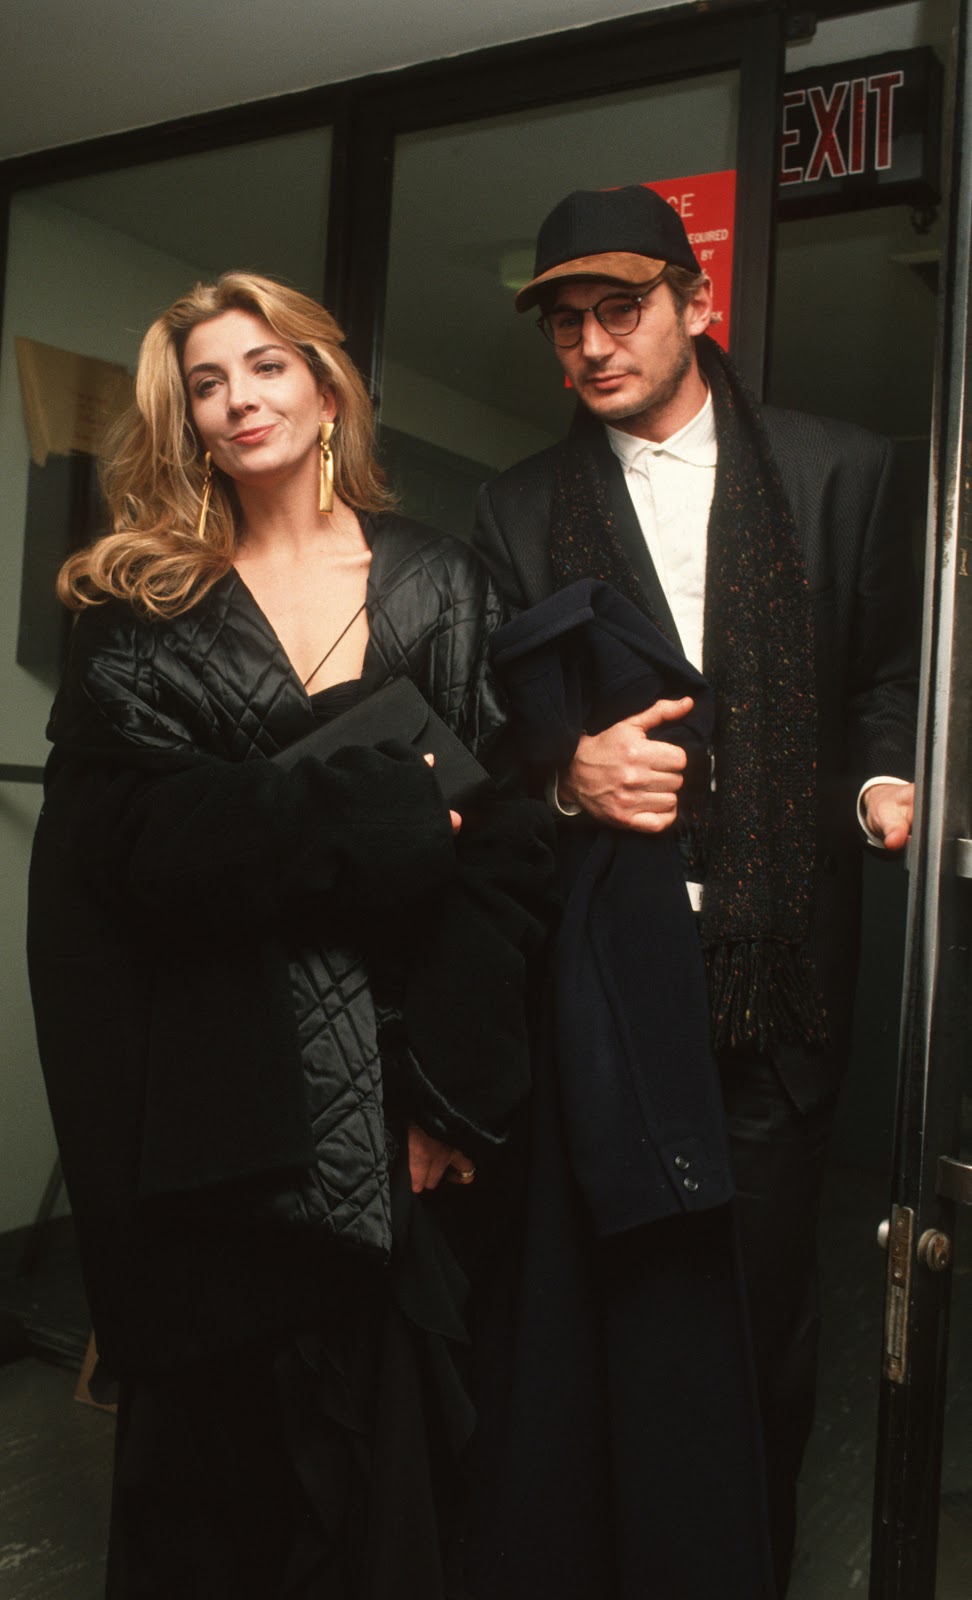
(207, 490)
(325, 500)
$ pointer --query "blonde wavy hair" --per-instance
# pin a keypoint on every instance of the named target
(152, 468)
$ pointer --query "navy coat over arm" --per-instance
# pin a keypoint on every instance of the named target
(848, 511)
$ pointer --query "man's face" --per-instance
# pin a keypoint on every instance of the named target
(640, 381)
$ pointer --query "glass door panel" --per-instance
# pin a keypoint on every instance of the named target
(468, 387)
(260, 206)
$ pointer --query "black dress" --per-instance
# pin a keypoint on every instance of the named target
(325, 1464)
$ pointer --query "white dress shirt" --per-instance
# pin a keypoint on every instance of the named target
(671, 485)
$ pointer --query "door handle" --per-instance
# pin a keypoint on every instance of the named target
(896, 1237)
(955, 1180)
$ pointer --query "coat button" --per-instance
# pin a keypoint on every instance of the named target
(690, 1184)
(682, 1163)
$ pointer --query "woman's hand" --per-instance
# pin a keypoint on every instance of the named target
(429, 1161)
(454, 816)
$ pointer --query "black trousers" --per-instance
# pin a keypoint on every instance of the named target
(778, 1154)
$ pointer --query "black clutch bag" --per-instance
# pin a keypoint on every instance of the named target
(398, 711)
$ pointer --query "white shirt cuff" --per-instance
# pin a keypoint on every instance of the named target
(872, 838)
(694, 890)
(554, 801)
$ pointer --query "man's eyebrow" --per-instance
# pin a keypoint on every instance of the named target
(620, 292)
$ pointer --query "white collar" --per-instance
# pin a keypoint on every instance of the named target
(694, 443)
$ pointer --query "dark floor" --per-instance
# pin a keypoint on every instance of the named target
(55, 1453)
(55, 1472)
(835, 1498)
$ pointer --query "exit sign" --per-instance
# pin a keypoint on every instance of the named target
(862, 133)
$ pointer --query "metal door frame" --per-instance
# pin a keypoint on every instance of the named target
(927, 1180)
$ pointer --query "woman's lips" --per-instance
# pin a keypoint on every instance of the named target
(252, 435)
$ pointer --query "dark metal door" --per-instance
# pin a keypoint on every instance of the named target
(932, 1178)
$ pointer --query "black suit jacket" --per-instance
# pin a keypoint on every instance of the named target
(841, 484)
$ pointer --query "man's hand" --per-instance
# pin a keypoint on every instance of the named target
(625, 779)
(889, 810)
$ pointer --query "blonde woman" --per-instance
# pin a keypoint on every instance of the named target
(277, 1008)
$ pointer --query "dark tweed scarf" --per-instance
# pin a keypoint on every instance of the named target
(755, 834)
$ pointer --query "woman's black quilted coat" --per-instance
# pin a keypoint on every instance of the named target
(204, 931)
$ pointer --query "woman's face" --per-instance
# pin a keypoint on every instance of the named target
(256, 404)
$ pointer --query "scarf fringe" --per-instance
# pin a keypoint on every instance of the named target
(762, 993)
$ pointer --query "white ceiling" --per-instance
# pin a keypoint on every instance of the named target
(75, 69)
(79, 69)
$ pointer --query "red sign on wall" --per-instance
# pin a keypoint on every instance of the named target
(707, 207)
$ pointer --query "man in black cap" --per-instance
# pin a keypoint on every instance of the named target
(770, 547)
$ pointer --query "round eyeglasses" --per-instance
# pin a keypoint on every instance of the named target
(618, 314)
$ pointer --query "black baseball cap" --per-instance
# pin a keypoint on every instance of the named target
(624, 235)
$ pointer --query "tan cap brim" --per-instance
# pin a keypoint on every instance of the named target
(616, 266)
